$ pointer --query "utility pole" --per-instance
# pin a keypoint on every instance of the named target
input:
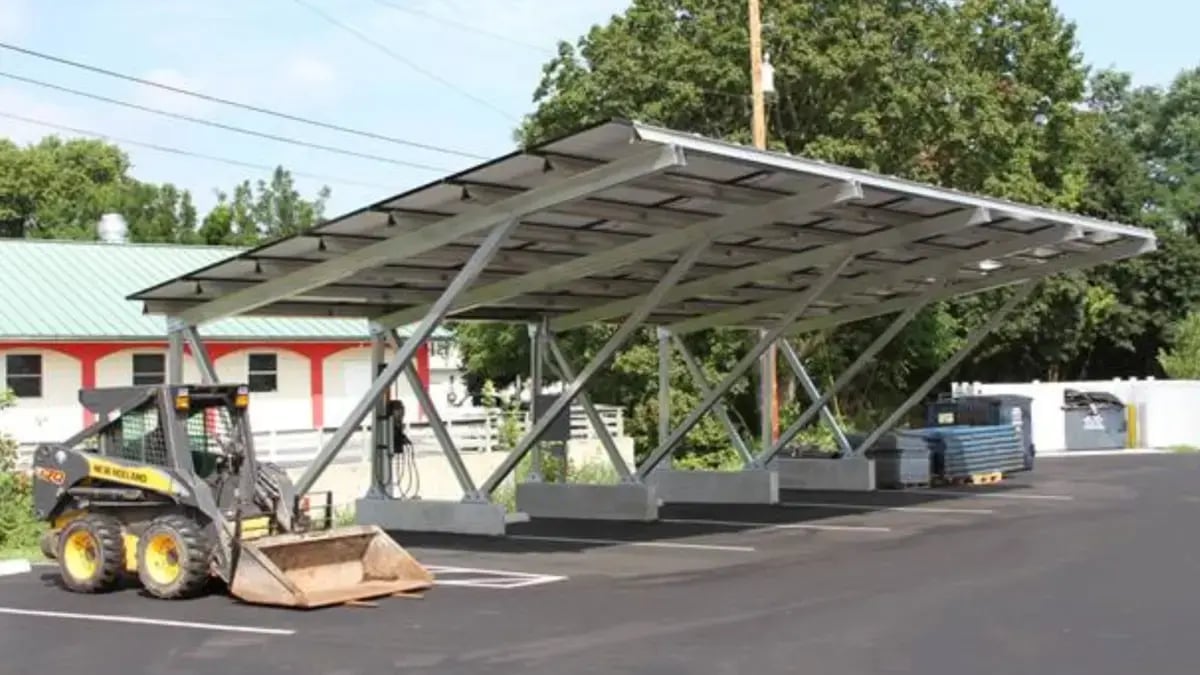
(758, 130)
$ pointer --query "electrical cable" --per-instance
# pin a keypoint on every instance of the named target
(219, 125)
(462, 26)
(237, 104)
(383, 48)
(186, 153)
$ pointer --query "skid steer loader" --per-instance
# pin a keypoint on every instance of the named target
(167, 486)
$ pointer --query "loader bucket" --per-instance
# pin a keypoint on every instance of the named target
(317, 569)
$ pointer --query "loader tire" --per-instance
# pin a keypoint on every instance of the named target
(174, 557)
(91, 553)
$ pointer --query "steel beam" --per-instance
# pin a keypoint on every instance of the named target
(656, 158)
(204, 362)
(440, 432)
(810, 389)
(740, 220)
(944, 224)
(379, 470)
(664, 382)
(997, 279)
(175, 338)
(1000, 249)
(423, 330)
(719, 409)
(606, 440)
(537, 357)
(622, 334)
(974, 337)
(806, 299)
(847, 375)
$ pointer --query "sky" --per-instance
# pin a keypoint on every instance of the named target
(426, 78)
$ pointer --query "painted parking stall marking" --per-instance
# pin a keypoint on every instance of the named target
(140, 620)
(472, 577)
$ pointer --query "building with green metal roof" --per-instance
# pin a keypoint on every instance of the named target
(65, 324)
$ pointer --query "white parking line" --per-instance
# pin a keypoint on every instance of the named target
(779, 526)
(145, 621)
(11, 567)
(881, 507)
(991, 495)
(645, 544)
(489, 578)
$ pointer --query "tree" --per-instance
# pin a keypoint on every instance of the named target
(978, 95)
(1182, 360)
(59, 189)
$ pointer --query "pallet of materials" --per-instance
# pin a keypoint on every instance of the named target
(970, 452)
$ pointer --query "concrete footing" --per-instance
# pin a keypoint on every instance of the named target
(623, 501)
(715, 487)
(432, 516)
(856, 474)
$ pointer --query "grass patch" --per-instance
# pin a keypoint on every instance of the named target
(1184, 448)
(32, 554)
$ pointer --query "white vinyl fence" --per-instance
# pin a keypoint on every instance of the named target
(474, 433)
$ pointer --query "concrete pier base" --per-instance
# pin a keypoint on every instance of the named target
(432, 516)
(856, 474)
(715, 487)
(623, 501)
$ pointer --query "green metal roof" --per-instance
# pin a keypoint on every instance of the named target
(53, 289)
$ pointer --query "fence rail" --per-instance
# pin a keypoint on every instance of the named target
(472, 433)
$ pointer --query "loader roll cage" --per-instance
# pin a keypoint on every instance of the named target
(632, 225)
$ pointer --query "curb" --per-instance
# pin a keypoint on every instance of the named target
(11, 567)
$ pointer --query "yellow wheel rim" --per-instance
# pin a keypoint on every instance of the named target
(81, 555)
(162, 559)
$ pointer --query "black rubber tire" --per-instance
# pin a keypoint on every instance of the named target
(110, 554)
(195, 557)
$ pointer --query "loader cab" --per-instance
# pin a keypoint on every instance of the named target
(212, 419)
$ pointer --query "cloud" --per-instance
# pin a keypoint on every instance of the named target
(168, 100)
(24, 105)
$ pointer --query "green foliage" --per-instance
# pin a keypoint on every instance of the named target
(59, 189)
(987, 96)
(18, 528)
(1182, 360)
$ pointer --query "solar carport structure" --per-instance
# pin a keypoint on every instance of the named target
(637, 225)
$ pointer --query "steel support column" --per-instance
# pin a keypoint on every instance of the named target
(664, 383)
(719, 409)
(810, 389)
(440, 432)
(976, 336)
(470, 271)
(807, 298)
(537, 361)
(631, 324)
(766, 395)
(204, 362)
(606, 440)
(175, 329)
(380, 467)
(898, 324)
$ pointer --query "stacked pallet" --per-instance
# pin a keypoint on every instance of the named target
(964, 452)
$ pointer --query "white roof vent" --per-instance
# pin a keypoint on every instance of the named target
(113, 229)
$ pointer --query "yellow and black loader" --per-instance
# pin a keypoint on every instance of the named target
(167, 486)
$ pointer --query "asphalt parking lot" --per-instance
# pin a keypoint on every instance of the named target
(1087, 565)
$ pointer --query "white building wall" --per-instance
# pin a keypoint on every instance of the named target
(57, 413)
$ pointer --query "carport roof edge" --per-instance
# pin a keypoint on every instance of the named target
(567, 261)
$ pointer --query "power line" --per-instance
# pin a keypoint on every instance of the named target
(480, 31)
(462, 26)
(238, 104)
(185, 153)
(226, 127)
(383, 48)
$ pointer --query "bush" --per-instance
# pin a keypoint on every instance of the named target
(18, 528)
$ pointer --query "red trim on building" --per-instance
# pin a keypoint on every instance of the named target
(89, 354)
